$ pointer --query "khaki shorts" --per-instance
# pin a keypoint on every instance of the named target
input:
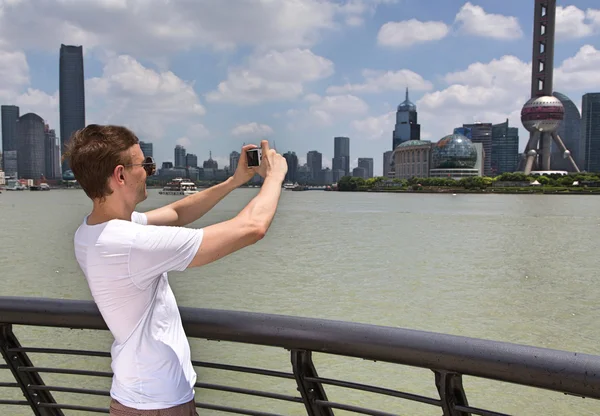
(186, 409)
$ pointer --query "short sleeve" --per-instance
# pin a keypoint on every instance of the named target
(139, 218)
(160, 249)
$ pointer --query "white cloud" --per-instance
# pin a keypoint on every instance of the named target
(184, 141)
(384, 81)
(579, 72)
(271, 76)
(572, 22)
(325, 111)
(475, 21)
(329, 107)
(410, 32)
(148, 101)
(252, 131)
(155, 28)
(15, 87)
(499, 72)
(374, 128)
(14, 71)
(198, 131)
(354, 10)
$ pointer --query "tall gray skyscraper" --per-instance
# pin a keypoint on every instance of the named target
(482, 133)
(292, 162)
(407, 127)
(10, 115)
(570, 133)
(71, 94)
(180, 156)
(31, 153)
(234, 158)
(147, 149)
(341, 154)
(387, 163)
(51, 154)
(314, 160)
(590, 131)
(367, 164)
(191, 160)
(505, 148)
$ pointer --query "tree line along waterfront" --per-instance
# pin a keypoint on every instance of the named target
(574, 183)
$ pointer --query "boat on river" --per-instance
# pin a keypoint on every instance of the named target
(179, 186)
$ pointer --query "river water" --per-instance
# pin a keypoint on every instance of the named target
(515, 268)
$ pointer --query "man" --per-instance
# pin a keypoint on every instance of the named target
(125, 256)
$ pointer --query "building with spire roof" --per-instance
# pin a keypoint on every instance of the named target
(210, 163)
(406, 127)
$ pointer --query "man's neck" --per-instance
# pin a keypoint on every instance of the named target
(104, 212)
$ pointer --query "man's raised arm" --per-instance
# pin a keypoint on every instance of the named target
(192, 207)
(252, 223)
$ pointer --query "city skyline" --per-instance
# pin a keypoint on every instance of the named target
(315, 88)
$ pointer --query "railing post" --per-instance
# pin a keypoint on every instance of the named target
(451, 392)
(310, 391)
(24, 379)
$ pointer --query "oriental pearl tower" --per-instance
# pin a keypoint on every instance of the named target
(543, 113)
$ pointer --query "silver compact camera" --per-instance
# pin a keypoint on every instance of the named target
(253, 157)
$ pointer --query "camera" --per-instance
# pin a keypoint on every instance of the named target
(253, 157)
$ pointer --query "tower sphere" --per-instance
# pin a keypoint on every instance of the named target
(542, 114)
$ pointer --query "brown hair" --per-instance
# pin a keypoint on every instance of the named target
(93, 153)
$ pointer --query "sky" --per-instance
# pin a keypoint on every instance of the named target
(212, 75)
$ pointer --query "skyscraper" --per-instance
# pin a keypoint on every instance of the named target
(482, 133)
(234, 158)
(505, 148)
(179, 156)
(341, 154)
(387, 163)
(147, 149)
(292, 162)
(10, 115)
(191, 160)
(71, 94)
(590, 129)
(51, 153)
(406, 127)
(31, 154)
(367, 164)
(314, 160)
(570, 133)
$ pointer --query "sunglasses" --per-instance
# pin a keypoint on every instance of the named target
(149, 165)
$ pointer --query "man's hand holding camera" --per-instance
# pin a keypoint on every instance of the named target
(264, 161)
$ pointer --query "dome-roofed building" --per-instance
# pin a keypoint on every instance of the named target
(412, 159)
(454, 156)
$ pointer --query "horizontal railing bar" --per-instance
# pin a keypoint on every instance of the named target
(241, 369)
(15, 402)
(5, 384)
(378, 390)
(234, 410)
(66, 371)
(476, 411)
(566, 372)
(355, 409)
(74, 407)
(60, 351)
(70, 390)
(258, 393)
(3, 367)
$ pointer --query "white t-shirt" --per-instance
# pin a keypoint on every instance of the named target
(126, 264)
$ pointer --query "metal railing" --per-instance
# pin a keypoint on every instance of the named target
(449, 357)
